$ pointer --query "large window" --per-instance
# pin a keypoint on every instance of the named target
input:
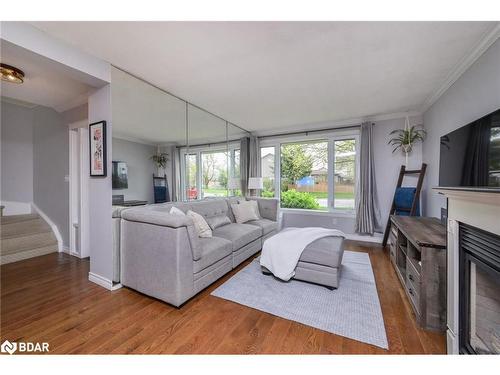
(234, 173)
(304, 175)
(267, 161)
(191, 173)
(207, 171)
(214, 174)
(344, 174)
(317, 174)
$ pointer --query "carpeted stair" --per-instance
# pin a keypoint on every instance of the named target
(25, 236)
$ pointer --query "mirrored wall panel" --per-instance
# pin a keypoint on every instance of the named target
(234, 137)
(165, 149)
(148, 125)
(206, 156)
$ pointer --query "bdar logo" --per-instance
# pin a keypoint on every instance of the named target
(8, 347)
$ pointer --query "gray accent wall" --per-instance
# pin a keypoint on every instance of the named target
(50, 166)
(140, 168)
(35, 161)
(388, 164)
(17, 153)
(475, 94)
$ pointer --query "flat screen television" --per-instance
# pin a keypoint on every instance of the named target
(470, 155)
(120, 175)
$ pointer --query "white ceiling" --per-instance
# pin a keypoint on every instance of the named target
(46, 82)
(271, 75)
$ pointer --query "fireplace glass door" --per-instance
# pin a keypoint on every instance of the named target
(480, 292)
(484, 307)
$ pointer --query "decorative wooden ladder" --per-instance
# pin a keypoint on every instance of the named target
(402, 173)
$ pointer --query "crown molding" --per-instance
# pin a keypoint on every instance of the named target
(127, 138)
(486, 41)
(19, 102)
(334, 124)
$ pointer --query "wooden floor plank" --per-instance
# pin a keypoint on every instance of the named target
(49, 298)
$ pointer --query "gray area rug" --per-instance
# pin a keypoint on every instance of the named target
(353, 310)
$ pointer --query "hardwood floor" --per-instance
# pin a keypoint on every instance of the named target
(49, 298)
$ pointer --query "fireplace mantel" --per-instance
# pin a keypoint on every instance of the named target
(479, 208)
(478, 195)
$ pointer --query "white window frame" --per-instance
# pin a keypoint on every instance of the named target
(329, 137)
(198, 150)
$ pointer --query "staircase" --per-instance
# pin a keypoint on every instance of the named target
(25, 236)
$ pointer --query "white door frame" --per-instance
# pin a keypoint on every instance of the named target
(78, 189)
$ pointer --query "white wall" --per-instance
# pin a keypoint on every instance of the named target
(17, 153)
(100, 196)
(140, 169)
(388, 164)
(76, 114)
(475, 94)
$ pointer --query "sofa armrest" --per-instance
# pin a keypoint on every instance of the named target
(164, 219)
(157, 261)
(169, 220)
(268, 207)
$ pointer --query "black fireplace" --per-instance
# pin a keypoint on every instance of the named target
(479, 296)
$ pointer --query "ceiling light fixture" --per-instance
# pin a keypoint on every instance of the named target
(11, 74)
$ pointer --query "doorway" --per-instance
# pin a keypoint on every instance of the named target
(78, 190)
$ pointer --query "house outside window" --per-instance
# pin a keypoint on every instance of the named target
(317, 174)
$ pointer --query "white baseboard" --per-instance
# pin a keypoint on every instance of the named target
(16, 208)
(67, 250)
(55, 229)
(104, 282)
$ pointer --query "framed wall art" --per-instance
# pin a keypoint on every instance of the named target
(98, 151)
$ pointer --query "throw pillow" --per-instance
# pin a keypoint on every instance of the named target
(176, 211)
(218, 221)
(200, 224)
(243, 212)
(256, 208)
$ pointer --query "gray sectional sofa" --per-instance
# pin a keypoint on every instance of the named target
(163, 257)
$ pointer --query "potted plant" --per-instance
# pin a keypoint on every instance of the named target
(404, 139)
(160, 159)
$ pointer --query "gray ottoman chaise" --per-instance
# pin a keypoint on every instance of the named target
(320, 262)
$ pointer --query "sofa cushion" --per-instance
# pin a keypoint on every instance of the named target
(212, 250)
(200, 224)
(176, 211)
(245, 211)
(238, 234)
(266, 225)
(326, 251)
(210, 207)
(218, 221)
(230, 201)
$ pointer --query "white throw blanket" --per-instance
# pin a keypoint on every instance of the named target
(281, 253)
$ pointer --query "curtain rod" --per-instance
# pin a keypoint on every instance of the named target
(179, 98)
(209, 144)
(307, 132)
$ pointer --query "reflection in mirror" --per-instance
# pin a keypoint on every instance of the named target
(147, 122)
(234, 136)
(205, 157)
(166, 149)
